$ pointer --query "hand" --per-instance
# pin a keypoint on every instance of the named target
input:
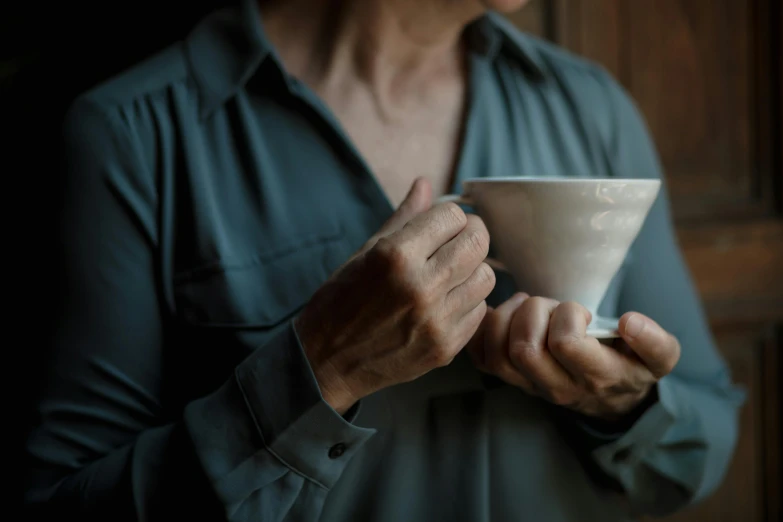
(406, 303)
(541, 346)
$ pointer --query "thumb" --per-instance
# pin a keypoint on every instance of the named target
(657, 349)
(418, 200)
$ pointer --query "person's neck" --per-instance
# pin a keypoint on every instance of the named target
(391, 46)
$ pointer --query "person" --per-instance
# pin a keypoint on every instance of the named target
(265, 315)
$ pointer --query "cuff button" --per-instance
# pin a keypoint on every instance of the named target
(336, 451)
(622, 456)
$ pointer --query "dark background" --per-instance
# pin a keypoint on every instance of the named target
(49, 53)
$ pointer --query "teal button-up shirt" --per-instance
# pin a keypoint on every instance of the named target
(209, 194)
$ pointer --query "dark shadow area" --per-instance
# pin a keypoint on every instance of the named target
(48, 55)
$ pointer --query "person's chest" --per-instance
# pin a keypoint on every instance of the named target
(264, 200)
(420, 136)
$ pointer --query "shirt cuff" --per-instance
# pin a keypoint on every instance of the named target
(296, 424)
(597, 432)
(630, 448)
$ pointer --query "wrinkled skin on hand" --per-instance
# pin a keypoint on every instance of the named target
(406, 303)
(541, 346)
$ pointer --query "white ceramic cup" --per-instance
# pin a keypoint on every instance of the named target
(562, 238)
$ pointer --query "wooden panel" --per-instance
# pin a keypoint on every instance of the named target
(737, 269)
(690, 72)
(695, 72)
(591, 28)
(534, 18)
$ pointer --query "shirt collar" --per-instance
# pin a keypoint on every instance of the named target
(227, 48)
(224, 51)
(495, 35)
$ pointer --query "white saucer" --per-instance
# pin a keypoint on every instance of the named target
(603, 328)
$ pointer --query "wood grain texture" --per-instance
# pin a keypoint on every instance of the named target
(535, 18)
(737, 268)
(592, 29)
(689, 69)
(694, 71)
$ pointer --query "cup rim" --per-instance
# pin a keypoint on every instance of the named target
(516, 179)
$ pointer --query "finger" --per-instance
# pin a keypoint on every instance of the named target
(497, 329)
(417, 201)
(496, 343)
(568, 342)
(476, 288)
(630, 364)
(528, 347)
(465, 329)
(428, 231)
(595, 365)
(455, 261)
(475, 347)
(657, 348)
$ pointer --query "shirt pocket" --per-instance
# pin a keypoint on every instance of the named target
(260, 291)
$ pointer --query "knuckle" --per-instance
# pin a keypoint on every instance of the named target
(433, 334)
(485, 275)
(454, 215)
(391, 254)
(477, 241)
(420, 301)
(395, 260)
(445, 270)
(565, 344)
(536, 303)
(571, 306)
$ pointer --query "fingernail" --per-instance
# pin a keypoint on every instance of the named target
(634, 326)
(521, 296)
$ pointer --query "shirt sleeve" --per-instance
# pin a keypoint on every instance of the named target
(105, 447)
(678, 449)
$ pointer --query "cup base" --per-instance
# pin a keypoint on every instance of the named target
(603, 328)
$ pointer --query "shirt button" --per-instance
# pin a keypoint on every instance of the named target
(622, 455)
(336, 451)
